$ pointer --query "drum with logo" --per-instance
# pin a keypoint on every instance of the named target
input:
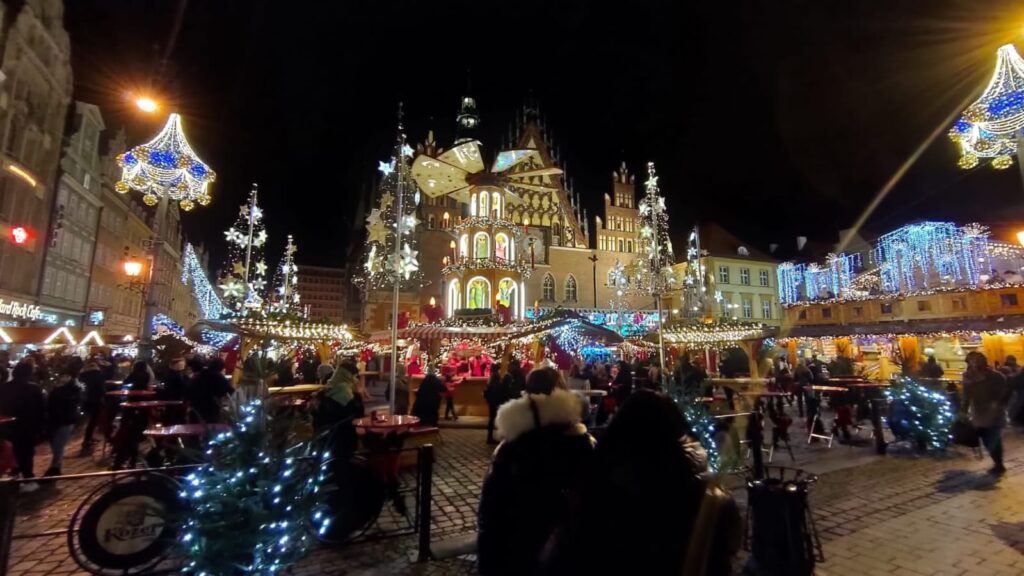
(127, 526)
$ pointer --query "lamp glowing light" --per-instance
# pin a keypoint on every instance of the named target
(133, 268)
(146, 104)
(20, 235)
(22, 173)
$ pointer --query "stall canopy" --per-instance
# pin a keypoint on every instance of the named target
(456, 329)
(42, 335)
(711, 334)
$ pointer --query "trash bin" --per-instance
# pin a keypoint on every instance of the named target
(780, 532)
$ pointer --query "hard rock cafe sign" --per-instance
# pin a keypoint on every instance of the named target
(16, 309)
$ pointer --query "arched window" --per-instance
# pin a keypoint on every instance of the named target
(496, 206)
(548, 288)
(464, 246)
(431, 222)
(454, 297)
(481, 245)
(620, 245)
(482, 211)
(526, 219)
(570, 289)
(446, 220)
(515, 218)
(556, 228)
(502, 248)
(478, 293)
(507, 294)
(629, 245)
(545, 220)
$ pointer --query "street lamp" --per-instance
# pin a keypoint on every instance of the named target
(163, 169)
(146, 104)
(1020, 237)
(133, 269)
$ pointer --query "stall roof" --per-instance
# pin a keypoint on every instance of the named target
(41, 335)
(695, 333)
(910, 327)
(551, 321)
(279, 330)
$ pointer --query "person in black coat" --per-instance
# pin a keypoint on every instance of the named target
(140, 378)
(428, 399)
(515, 379)
(23, 399)
(537, 475)
(62, 411)
(174, 380)
(647, 477)
(206, 390)
(496, 393)
(95, 387)
(622, 385)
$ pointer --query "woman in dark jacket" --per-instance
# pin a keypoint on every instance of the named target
(428, 399)
(647, 478)
(62, 415)
(515, 379)
(140, 377)
(496, 393)
(537, 475)
(622, 386)
(337, 407)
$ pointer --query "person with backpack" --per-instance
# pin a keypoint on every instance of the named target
(62, 411)
(496, 393)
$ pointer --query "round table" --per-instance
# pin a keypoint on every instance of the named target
(386, 424)
(132, 393)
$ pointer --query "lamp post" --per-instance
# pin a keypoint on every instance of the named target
(163, 169)
(593, 260)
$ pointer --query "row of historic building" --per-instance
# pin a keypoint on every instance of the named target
(64, 231)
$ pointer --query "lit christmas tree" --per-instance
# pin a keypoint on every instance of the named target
(244, 279)
(397, 207)
(285, 299)
(694, 288)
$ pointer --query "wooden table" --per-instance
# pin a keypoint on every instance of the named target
(132, 393)
(185, 430)
(309, 389)
(382, 425)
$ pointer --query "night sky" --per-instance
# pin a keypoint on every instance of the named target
(776, 119)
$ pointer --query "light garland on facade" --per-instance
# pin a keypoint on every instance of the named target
(905, 296)
(462, 266)
(166, 166)
(488, 222)
(202, 290)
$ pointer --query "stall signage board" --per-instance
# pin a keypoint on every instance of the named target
(17, 309)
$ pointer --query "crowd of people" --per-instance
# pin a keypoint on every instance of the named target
(46, 398)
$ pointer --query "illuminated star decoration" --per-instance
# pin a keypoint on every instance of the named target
(411, 221)
(166, 166)
(235, 236)
(259, 284)
(374, 217)
(238, 268)
(409, 264)
(261, 268)
(372, 262)
(386, 168)
(385, 201)
(407, 151)
(232, 288)
(260, 238)
(990, 126)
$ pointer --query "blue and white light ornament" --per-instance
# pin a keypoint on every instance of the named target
(166, 166)
(926, 416)
(990, 127)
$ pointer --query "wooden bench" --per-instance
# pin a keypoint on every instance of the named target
(415, 438)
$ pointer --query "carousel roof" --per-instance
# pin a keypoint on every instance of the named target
(695, 333)
(539, 326)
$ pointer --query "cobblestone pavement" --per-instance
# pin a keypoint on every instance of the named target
(895, 514)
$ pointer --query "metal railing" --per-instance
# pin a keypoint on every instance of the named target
(167, 561)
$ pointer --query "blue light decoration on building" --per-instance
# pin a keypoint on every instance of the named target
(96, 317)
(161, 319)
(202, 290)
(929, 254)
(791, 277)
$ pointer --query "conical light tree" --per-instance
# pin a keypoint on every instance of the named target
(653, 274)
(692, 284)
(243, 280)
(285, 299)
(398, 201)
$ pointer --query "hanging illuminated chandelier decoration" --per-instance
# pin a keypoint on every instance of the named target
(991, 126)
(166, 166)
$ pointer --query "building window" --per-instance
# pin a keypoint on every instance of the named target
(570, 289)
(548, 288)
(763, 277)
(924, 306)
(430, 222)
(802, 315)
(748, 308)
(960, 303)
(858, 311)
(826, 312)
(766, 309)
(745, 276)
(479, 293)
(621, 245)
(1008, 300)
(723, 274)
(886, 308)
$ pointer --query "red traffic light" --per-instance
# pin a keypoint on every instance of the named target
(20, 234)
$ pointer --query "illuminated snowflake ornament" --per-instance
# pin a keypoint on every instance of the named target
(167, 166)
(991, 126)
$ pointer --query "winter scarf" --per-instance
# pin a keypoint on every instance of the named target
(340, 387)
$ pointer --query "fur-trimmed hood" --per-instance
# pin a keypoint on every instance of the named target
(561, 407)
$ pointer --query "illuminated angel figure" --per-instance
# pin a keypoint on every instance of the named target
(166, 166)
(991, 126)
